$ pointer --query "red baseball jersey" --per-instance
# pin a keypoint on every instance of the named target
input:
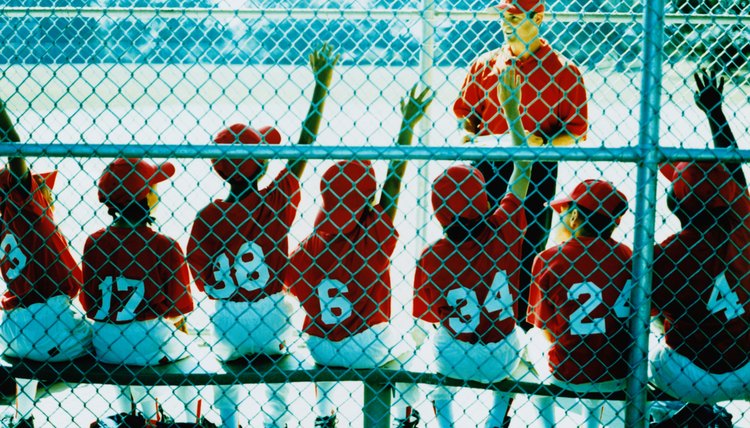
(35, 259)
(343, 281)
(701, 287)
(471, 288)
(240, 251)
(553, 96)
(134, 274)
(580, 295)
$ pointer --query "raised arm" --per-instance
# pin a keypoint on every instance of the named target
(18, 167)
(322, 62)
(509, 95)
(709, 98)
(412, 108)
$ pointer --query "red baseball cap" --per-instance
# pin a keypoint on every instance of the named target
(518, 7)
(459, 192)
(346, 187)
(597, 196)
(129, 180)
(701, 184)
(243, 134)
(48, 178)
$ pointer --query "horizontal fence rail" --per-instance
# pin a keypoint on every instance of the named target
(354, 14)
(594, 154)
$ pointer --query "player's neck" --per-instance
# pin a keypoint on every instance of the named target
(125, 223)
(522, 50)
(240, 192)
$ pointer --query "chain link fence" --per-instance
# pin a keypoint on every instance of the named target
(280, 299)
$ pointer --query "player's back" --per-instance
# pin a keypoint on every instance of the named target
(580, 295)
(249, 236)
(343, 281)
(134, 274)
(702, 289)
(37, 263)
(471, 287)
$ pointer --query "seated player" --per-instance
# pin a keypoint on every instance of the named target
(38, 320)
(468, 280)
(701, 287)
(578, 300)
(239, 248)
(135, 280)
(341, 273)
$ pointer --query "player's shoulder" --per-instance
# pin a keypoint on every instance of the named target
(486, 60)
(285, 181)
(622, 249)
(557, 253)
(678, 242)
(559, 61)
(95, 236)
(438, 251)
(154, 239)
(210, 212)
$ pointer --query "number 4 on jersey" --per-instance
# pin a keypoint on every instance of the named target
(499, 297)
(724, 299)
(467, 305)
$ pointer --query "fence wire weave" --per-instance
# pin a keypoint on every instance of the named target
(374, 213)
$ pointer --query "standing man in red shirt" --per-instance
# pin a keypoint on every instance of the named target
(553, 111)
(578, 300)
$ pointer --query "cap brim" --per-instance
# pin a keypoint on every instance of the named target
(559, 204)
(269, 134)
(49, 178)
(162, 173)
(667, 170)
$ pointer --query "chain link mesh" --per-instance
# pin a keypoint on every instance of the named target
(306, 300)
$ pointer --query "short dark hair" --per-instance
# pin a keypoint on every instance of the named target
(461, 229)
(596, 225)
(135, 213)
(703, 218)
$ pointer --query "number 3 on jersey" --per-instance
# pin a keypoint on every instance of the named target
(249, 272)
(465, 301)
(11, 251)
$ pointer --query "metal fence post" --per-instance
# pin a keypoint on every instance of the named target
(636, 408)
(426, 67)
(377, 406)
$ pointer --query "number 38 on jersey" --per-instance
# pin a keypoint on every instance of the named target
(248, 272)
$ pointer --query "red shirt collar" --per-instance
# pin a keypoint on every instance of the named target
(538, 55)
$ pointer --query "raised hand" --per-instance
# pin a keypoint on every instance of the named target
(322, 62)
(508, 90)
(708, 96)
(413, 106)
